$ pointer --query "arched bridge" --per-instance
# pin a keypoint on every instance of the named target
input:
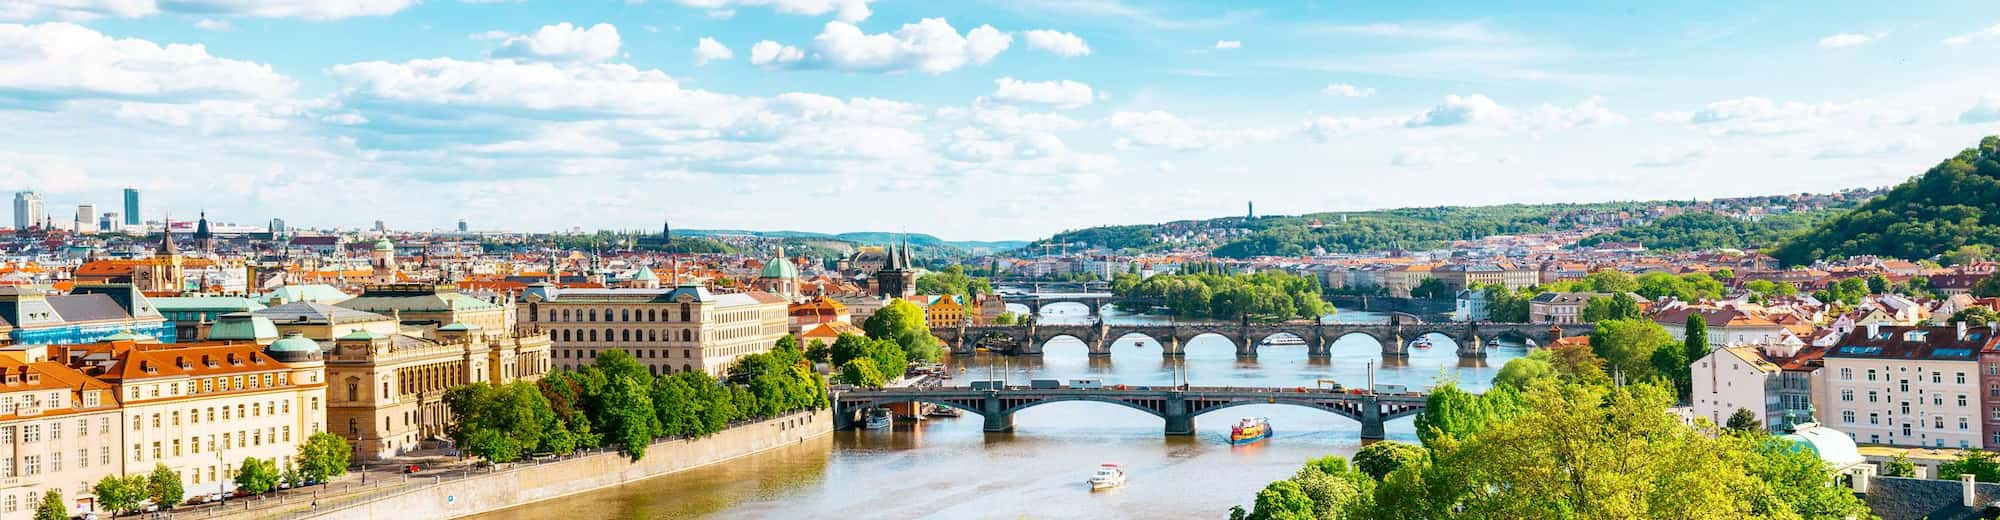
(1472, 337)
(1178, 406)
(1094, 302)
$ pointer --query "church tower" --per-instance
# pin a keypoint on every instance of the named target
(897, 279)
(382, 260)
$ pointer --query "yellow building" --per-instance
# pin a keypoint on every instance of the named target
(59, 431)
(669, 330)
(944, 312)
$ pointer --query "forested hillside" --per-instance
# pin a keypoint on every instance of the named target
(1954, 204)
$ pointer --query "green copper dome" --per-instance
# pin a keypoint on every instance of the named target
(383, 244)
(293, 347)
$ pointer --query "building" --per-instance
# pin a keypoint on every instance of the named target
(89, 313)
(1773, 381)
(1561, 308)
(1907, 386)
(132, 207)
(165, 274)
(1725, 325)
(1470, 306)
(193, 316)
(942, 312)
(27, 209)
(681, 329)
(60, 430)
(86, 218)
(779, 277)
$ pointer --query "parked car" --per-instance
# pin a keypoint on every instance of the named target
(412, 469)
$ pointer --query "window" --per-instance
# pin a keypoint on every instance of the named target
(1871, 374)
(1903, 385)
(103, 455)
(83, 458)
(55, 430)
(1937, 377)
(1906, 408)
(1937, 421)
(55, 462)
(1847, 417)
(1961, 400)
(1961, 378)
(1963, 424)
(31, 433)
(31, 465)
(1874, 418)
(1871, 396)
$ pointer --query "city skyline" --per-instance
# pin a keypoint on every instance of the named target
(1018, 119)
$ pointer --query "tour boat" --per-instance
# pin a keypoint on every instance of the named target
(1108, 476)
(1421, 343)
(1286, 340)
(1249, 430)
(945, 411)
(878, 419)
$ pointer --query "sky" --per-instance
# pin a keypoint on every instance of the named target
(986, 120)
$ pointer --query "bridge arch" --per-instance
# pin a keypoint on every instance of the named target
(968, 406)
(1354, 414)
(1234, 345)
(1043, 341)
(1160, 413)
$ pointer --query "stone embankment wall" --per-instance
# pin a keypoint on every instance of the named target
(534, 483)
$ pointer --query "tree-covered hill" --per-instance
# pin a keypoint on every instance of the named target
(1701, 231)
(1954, 204)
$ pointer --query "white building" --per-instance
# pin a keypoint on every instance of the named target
(1905, 386)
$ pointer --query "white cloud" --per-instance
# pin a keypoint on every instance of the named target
(1057, 42)
(708, 50)
(930, 45)
(1431, 156)
(1462, 110)
(1590, 112)
(1325, 128)
(1346, 90)
(564, 42)
(531, 86)
(1162, 129)
(212, 117)
(844, 10)
(211, 24)
(1063, 93)
(1989, 33)
(770, 53)
(1987, 110)
(66, 61)
(1665, 157)
(92, 9)
(1852, 147)
(1472, 32)
(1844, 40)
(1228, 44)
(1756, 116)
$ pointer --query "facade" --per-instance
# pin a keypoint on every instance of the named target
(1725, 326)
(1907, 386)
(1737, 377)
(1470, 306)
(86, 218)
(668, 330)
(942, 312)
(28, 211)
(87, 314)
(386, 391)
(1560, 308)
(60, 430)
(897, 279)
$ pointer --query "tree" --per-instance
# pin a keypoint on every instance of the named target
(163, 487)
(52, 507)
(1744, 421)
(1619, 306)
(500, 423)
(1694, 338)
(1968, 254)
(1977, 462)
(1609, 281)
(1431, 289)
(1452, 413)
(861, 372)
(1282, 500)
(1988, 288)
(1899, 467)
(892, 319)
(1520, 372)
(1975, 315)
(120, 494)
(1627, 345)
(323, 457)
(818, 352)
(256, 476)
(1379, 459)
(628, 415)
(1672, 364)
(1006, 318)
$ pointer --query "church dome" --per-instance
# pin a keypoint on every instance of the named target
(383, 244)
(780, 268)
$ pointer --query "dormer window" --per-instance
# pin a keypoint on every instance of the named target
(1917, 336)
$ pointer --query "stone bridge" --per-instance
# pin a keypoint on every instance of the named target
(1394, 337)
(1094, 302)
(1178, 406)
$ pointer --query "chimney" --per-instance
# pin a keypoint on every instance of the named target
(1969, 491)
(1874, 329)
(1961, 331)
(1861, 479)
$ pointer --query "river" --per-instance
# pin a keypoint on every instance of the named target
(949, 468)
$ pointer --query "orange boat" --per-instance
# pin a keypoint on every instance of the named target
(1250, 430)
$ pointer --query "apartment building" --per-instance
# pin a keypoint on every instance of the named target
(1907, 385)
(668, 330)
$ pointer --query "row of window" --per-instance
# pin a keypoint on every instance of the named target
(241, 438)
(1937, 421)
(649, 314)
(640, 353)
(206, 385)
(31, 465)
(32, 403)
(627, 335)
(1937, 399)
(34, 432)
(194, 415)
(1847, 374)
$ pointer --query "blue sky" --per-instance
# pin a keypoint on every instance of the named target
(970, 120)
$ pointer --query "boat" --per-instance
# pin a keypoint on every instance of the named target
(1108, 476)
(1250, 430)
(1424, 342)
(878, 419)
(1285, 340)
(944, 411)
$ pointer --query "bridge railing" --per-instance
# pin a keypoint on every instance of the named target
(1297, 390)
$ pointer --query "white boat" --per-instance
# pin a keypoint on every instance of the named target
(878, 419)
(1108, 476)
(1424, 342)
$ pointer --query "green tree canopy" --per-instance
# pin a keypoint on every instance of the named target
(1977, 462)
(1954, 204)
(51, 507)
(256, 476)
(1627, 345)
(164, 488)
(323, 457)
(1379, 459)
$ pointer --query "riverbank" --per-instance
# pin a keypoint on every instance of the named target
(524, 484)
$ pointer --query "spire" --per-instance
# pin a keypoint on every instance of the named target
(167, 239)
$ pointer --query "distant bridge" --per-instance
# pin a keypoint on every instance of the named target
(1394, 337)
(1178, 406)
(1094, 302)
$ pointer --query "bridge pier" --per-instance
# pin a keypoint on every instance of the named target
(1472, 347)
(1171, 348)
(997, 418)
(1396, 347)
(1371, 419)
(1179, 421)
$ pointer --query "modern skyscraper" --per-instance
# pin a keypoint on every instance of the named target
(27, 209)
(131, 206)
(86, 218)
(461, 225)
